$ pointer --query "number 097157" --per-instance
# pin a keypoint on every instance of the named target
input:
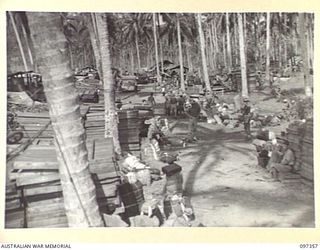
(309, 246)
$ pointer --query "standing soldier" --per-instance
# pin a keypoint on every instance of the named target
(246, 114)
(192, 110)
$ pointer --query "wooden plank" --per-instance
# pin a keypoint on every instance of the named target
(13, 204)
(37, 179)
(47, 207)
(45, 214)
(47, 202)
(36, 165)
(48, 222)
(42, 190)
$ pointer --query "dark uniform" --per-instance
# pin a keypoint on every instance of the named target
(246, 113)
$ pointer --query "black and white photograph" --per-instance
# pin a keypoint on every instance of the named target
(159, 119)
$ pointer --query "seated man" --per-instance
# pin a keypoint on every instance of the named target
(282, 161)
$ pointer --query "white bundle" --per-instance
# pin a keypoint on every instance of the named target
(133, 163)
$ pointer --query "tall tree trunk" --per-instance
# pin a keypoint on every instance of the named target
(215, 44)
(156, 46)
(229, 63)
(91, 25)
(27, 43)
(111, 119)
(18, 41)
(224, 51)
(244, 83)
(182, 85)
(137, 45)
(78, 188)
(304, 53)
(188, 57)
(71, 56)
(236, 39)
(310, 36)
(132, 60)
(268, 51)
(160, 44)
(203, 56)
(212, 52)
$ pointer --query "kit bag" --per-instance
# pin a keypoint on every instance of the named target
(171, 169)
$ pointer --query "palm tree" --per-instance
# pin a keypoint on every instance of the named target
(268, 50)
(229, 62)
(111, 125)
(92, 27)
(78, 188)
(203, 55)
(304, 53)
(242, 58)
(13, 22)
(182, 85)
(156, 46)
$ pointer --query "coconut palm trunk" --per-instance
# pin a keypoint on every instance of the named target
(229, 63)
(156, 46)
(137, 44)
(111, 119)
(160, 44)
(304, 53)
(18, 41)
(131, 60)
(78, 188)
(91, 25)
(182, 85)
(268, 51)
(244, 83)
(203, 55)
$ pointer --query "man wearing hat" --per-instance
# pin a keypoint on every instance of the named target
(285, 163)
(246, 113)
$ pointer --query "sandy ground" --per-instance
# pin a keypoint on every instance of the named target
(226, 186)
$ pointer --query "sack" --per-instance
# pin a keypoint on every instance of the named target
(174, 184)
(144, 177)
(168, 158)
(132, 162)
(171, 169)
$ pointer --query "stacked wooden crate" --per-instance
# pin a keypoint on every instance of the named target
(33, 123)
(14, 212)
(94, 121)
(300, 136)
(128, 128)
(104, 172)
(295, 133)
(307, 153)
(35, 172)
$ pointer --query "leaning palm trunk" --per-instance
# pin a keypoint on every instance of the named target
(182, 85)
(242, 58)
(18, 41)
(111, 119)
(203, 54)
(78, 188)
